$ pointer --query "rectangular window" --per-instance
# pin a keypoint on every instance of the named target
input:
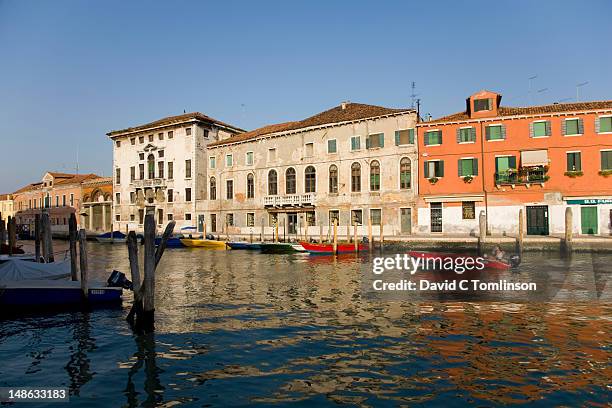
(356, 217)
(573, 161)
(170, 217)
(309, 150)
(205, 133)
(212, 162)
(132, 173)
(572, 127)
(249, 158)
(170, 195)
(160, 136)
(160, 153)
(468, 210)
(229, 160)
(187, 168)
(355, 143)
(160, 169)
(482, 105)
(229, 189)
(495, 132)
(404, 137)
(141, 156)
(141, 141)
(605, 124)
(140, 216)
(213, 222)
(64, 200)
(188, 131)
(606, 160)
(187, 217)
(132, 197)
(272, 154)
(250, 219)
(132, 217)
(229, 219)
(141, 171)
(133, 141)
(117, 176)
(170, 134)
(466, 135)
(170, 170)
(57, 201)
(117, 198)
(117, 217)
(71, 200)
(331, 146)
(468, 167)
(375, 216)
(150, 138)
(311, 218)
(334, 215)
(433, 168)
(433, 137)
(160, 213)
(188, 194)
(376, 141)
(540, 128)
(118, 143)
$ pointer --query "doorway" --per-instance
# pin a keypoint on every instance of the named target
(292, 223)
(406, 220)
(537, 220)
(436, 217)
(588, 220)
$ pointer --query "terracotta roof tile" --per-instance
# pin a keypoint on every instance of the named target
(170, 120)
(351, 112)
(530, 110)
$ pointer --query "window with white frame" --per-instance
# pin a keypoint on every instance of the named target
(249, 158)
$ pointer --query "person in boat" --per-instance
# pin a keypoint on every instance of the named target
(498, 254)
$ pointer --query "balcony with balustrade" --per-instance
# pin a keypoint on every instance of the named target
(293, 200)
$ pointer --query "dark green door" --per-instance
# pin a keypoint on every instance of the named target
(537, 220)
(406, 219)
(588, 220)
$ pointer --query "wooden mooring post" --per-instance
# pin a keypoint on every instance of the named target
(83, 263)
(143, 307)
(2, 230)
(11, 235)
(482, 232)
(73, 236)
(355, 236)
(382, 236)
(568, 244)
(261, 237)
(370, 242)
(348, 233)
(521, 234)
(320, 233)
(37, 237)
(335, 245)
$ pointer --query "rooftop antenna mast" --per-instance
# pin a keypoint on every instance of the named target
(413, 95)
(531, 78)
(578, 86)
(77, 159)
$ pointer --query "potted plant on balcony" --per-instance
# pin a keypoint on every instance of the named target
(433, 180)
(574, 173)
(468, 179)
(605, 173)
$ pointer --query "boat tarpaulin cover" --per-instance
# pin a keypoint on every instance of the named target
(18, 270)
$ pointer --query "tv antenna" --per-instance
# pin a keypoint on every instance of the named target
(578, 86)
(413, 95)
(530, 79)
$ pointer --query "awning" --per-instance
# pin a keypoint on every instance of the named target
(531, 158)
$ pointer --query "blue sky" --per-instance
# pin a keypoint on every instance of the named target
(73, 70)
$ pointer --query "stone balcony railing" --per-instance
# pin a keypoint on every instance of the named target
(294, 200)
(156, 182)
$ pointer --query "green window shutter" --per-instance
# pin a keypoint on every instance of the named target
(425, 169)
(460, 167)
(563, 128)
(580, 127)
(411, 136)
(488, 132)
(578, 161)
(368, 142)
(381, 138)
(473, 133)
(569, 161)
(512, 162)
(458, 136)
(441, 168)
(531, 129)
(547, 126)
(503, 132)
(474, 167)
(604, 125)
(397, 137)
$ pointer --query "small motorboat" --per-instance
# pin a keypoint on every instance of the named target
(244, 245)
(328, 249)
(173, 242)
(112, 237)
(281, 247)
(488, 263)
(203, 243)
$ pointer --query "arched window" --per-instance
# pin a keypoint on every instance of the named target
(310, 180)
(375, 176)
(151, 166)
(250, 186)
(290, 181)
(333, 179)
(272, 182)
(405, 173)
(213, 188)
(356, 177)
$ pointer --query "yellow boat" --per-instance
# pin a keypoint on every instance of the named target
(203, 243)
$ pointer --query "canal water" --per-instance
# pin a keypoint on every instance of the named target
(236, 328)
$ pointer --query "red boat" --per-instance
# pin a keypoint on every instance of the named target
(328, 249)
(488, 263)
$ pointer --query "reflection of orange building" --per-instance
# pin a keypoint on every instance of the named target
(61, 194)
(497, 159)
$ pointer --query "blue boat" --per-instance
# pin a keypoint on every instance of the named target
(244, 245)
(173, 242)
(112, 237)
(40, 294)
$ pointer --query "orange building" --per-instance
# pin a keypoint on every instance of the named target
(501, 159)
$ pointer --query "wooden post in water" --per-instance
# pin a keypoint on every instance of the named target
(83, 263)
(47, 237)
(2, 230)
(204, 230)
(132, 244)
(335, 247)
(306, 229)
(521, 235)
(146, 318)
(381, 239)
(43, 237)
(11, 235)
(482, 231)
(37, 237)
(73, 236)
(226, 231)
(262, 231)
(370, 242)
(276, 230)
(320, 232)
(568, 244)
(355, 236)
(284, 231)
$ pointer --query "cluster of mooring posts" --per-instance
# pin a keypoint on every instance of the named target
(8, 228)
(142, 314)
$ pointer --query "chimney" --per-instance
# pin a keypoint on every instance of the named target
(343, 104)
